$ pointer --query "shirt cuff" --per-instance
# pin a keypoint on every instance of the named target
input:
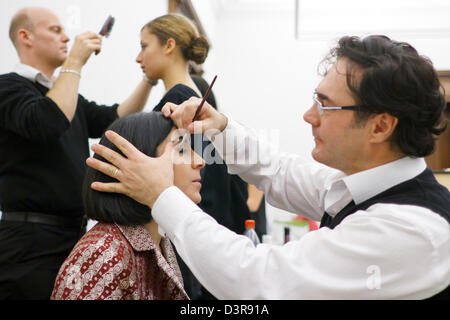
(171, 208)
(225, 142)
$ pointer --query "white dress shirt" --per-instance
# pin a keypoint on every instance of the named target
(388, 251)
(33, 74)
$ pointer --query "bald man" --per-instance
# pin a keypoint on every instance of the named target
(44, 129)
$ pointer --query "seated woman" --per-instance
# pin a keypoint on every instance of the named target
(123, 256)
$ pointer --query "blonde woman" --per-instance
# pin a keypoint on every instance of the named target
(168, 43)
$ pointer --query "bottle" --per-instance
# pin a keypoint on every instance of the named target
(250, 231)
(287, 236)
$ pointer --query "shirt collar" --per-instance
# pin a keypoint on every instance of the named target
(364, 185)
(33, 74)
(138, 237)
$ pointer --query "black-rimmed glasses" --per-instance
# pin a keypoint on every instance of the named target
(320, 106)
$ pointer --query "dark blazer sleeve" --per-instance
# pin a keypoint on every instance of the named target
(98, 117)
(27, 112)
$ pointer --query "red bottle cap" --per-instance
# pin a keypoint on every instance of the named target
(250, 223)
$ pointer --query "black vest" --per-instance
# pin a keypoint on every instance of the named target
(423, 191)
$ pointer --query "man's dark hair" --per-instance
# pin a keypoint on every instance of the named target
(389, 76)
(145, 131)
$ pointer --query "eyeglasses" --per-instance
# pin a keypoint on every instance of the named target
(320, 106)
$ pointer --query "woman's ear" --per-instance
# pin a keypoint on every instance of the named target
(170, 46)
(382, 127)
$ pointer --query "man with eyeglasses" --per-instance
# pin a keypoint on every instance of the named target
(384, 218)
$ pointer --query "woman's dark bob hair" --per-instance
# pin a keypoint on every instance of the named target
(145, 131)
(396, 80)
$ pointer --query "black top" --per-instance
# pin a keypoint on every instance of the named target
(177, 94)
(42, 154)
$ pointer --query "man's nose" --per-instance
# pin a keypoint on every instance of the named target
(65, 38)
(312, 116)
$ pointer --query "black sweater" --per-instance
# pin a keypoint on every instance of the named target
(42, 154)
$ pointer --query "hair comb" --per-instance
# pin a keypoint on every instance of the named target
(107, 27)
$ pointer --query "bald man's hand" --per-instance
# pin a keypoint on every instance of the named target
(84, 45)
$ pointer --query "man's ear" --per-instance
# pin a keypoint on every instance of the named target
(170, 46)
(24, 36)
(382, 127)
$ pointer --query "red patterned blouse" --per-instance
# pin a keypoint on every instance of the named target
(119, 262)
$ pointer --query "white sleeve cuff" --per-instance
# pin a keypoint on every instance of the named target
(226, 142)
(171, 208)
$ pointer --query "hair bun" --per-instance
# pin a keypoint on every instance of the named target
(198, 50)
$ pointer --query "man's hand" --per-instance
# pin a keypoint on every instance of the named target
(65, 91)
(140, 177)
(82, 48)
(209, 120)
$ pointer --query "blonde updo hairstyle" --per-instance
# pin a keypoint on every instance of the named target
(193, 46)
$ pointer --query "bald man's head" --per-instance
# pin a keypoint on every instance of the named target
(39, 38)
(21, 20)
(28, 19)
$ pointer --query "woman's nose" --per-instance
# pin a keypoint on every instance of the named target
(197, 160)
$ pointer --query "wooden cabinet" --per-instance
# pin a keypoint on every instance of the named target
(440, 158)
